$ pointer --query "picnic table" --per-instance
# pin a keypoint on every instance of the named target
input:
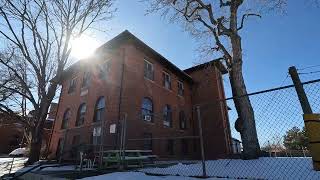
(131, 157)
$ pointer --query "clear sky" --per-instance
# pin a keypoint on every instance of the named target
(270, 44)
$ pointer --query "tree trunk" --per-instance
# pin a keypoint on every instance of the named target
(37, 133)
(35, 146)
(246, 124)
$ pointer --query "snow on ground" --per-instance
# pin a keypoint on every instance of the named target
(18, 151)
(263, 168)
(140, 176)
(5, 164)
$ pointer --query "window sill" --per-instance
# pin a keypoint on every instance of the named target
(170, 90)
(148, 122)
(96, 122)
(148, 79)
(84, 91)
(165, 126)
(79, 126)
(71, 93)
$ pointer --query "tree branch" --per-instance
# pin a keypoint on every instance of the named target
(246, 16)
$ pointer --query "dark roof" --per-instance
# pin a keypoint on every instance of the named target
(215, 62)
(123, 37)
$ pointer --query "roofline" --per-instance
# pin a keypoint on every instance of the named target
(215, 62)
(125, 36)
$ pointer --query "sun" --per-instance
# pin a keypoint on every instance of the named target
(83, 46)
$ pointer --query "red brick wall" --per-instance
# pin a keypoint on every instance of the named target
(206, 93)
(134, 88)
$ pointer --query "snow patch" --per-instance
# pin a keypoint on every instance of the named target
(262, 168)
(18, 151)
(140, 176)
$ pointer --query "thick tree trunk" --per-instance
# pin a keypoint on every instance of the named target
(37, 134)
(246, 122)
(35, 146)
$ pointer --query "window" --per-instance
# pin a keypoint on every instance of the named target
(65, 120)
(166, 80)
(147, 109)
(180, 88)
(184, 146)
(147, 143)
(72, 85)
(86, 80)
(76, 140)
(104, 70)
(148, 70)
(59, 148)
(75, 146)
(81, 114)
(99, 111)
(96, 136)
(167, 116)
(170, 145)
(183, 120)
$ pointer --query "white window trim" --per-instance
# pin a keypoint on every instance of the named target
(72, 79)
(148, 62)
(170, 80)
(182, 85)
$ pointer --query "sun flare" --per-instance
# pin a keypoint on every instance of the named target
(83, 46)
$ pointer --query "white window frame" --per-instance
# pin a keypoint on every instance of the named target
(180, 84)
(170, 81)
(152, 67)
(72, 81)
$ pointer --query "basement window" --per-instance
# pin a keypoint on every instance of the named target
(147, 143)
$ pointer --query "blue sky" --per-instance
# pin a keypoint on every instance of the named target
(270, 44)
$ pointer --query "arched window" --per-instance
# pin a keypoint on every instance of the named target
(80, 115)
(147, 109)
(65, 120)
(99, 110)
(167, 116)
(183, 120)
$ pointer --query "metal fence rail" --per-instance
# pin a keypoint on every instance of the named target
(182, 150)
(281, 134)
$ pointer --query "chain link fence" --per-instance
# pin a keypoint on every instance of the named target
(281, 134)
(171, 144)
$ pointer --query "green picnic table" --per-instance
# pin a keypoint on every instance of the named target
(131, 157)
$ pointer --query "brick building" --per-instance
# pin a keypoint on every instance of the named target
(127, 78)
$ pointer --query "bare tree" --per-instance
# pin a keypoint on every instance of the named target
(217, 23)
(37, 36)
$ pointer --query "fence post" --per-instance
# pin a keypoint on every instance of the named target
(311, 121)
(203, 162)
(300, 91)
(101, 148)
(122, 142)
